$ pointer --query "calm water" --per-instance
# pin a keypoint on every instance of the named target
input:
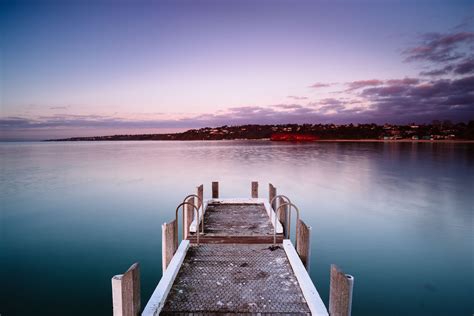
(399, 217)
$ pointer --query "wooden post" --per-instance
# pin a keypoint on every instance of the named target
(340, 293)
(271, 194)
(200, 193)
(283, 216)
(188, 217)
(126, 292)
(169, 242)
(254, 189)
(215, 190)
(303, 243)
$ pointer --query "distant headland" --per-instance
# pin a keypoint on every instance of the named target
(437, 131)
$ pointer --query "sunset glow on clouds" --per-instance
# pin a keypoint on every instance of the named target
(81, 70)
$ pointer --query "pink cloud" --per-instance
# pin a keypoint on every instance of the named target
(364, 83)
(318, 85)
(295, 97)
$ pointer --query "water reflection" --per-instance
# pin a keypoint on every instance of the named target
(397, 216)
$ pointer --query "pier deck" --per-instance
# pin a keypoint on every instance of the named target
(238, 263)
(237, 221)
(236, 268)
(234, 260)
(228, 278)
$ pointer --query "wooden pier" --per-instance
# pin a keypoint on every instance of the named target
(235, 257)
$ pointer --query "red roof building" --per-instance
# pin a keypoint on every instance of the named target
(293, 137)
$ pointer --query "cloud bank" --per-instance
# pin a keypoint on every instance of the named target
(396, 101)
(444, 90)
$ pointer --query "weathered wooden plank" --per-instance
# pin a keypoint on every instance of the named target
(169, 242)
(188, 216)
(254, 189)
(200, 193)
(215, 190)
(339, 293)
(126, 292)
(303, 243)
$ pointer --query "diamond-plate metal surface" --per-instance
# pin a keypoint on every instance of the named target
(237, 220)
(231, 278)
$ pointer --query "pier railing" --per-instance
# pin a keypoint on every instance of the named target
(303, 231)
(188, 213)
(170, 230)
(290, 206)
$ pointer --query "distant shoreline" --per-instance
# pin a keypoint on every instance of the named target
(396, 140)
(451, 133)
(467, 141)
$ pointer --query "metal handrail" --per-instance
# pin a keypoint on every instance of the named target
(291, 205)
(197, 218)
(192, 195)
(287, 201)
(176, 219)
(280, 196)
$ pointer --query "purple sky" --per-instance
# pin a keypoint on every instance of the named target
(74, 68)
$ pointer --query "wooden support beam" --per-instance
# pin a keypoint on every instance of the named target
(126, 292)
(169, 242)
(200, 193)
(303, 243)
(340, 293)
(188, 216)
(254, 189)
(215, 190)
(272, 192)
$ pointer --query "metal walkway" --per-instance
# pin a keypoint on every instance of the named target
(235, 279)
(237, 223)
(223, 219)
(235, 268)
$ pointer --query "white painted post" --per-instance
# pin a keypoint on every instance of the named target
(126, 292)
(117, 295)
(350, 278)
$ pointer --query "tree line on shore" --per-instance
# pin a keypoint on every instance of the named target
(435, 130)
